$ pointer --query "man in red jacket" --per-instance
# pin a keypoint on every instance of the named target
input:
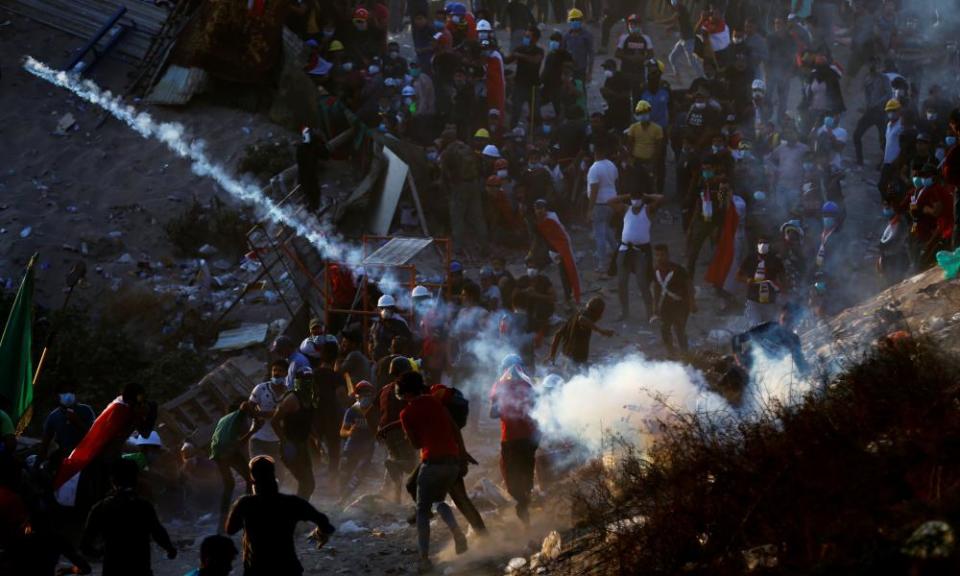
(512, 401)
(430, 428)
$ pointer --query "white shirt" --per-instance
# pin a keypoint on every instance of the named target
(605, 174)
(636, 228)
(265, 399)
(892, 149)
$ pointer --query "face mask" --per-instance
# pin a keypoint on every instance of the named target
(716, 149)
(501, 173)
(361, 27)
(757, 95)
(347, 66)
(763, 248)
(608, 73)
(636, 202)
(575, 25)
(554, 45)
(438, 24)
(394, 54)
(928, 181)
(888, 212)
(365, 401)
(525, 41)
(68, 399)
(892, 116)
(373, 70)
(706, 174)
(899, 93)
(917, 181)
(327, 32)
(808, 166)
(950, 140)
(828, 122)
(382, 128)
(829, 222)
(931, 116)
(534, 166)
(546, 128)
(408, 100)
(643, 117)
(455, 19)
(432, 156)
(738, 40)
(386, 314)
(699, 105)
(531, 272)
(278, 380)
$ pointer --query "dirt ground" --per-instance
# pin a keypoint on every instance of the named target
(93, 181)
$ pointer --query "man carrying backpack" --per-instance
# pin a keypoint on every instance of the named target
(512, 400)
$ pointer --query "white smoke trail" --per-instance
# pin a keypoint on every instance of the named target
(172, 134)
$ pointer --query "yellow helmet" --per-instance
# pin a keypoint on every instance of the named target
(643, 107)
(335, 46)
(892, 105)
(574, 14)
(481, 133)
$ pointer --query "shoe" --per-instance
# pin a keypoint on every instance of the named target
(425, 566)
(460, 544)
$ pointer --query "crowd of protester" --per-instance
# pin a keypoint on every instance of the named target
(520, 150)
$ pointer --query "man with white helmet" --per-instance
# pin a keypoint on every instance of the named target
(388, 325)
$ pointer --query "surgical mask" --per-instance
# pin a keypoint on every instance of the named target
(699, 105)
(501, 173)
(408, 100)
(608, 73)
(829, 122)
(455, 19)
(373, 69)
(361, 26)
(278, 380)
(575, 24)
(68, 399)
(757, 94)
(347, 66)
(950, 140)
(531, 272)
(917, 182)
(808, 166)
(716, 149)
(931, 116)
(546, 128)
(525, 41)
(738, 154)
(394, 54)
(763, 248)
(636, 202)
(328, 32)
(829, 222)
(438, 24)
(928, 181)
(432, 156)
(554, 45)
(899, 93)
(642, 117)
(386, 314)
(365, 401)
(534, 166)
(382, 128)
(706, 174)
(888, 212)
(892, 116)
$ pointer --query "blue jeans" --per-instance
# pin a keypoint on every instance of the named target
(433, 483)
(604, 240)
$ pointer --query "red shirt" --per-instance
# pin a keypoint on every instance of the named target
(514, 398)
(430, 428)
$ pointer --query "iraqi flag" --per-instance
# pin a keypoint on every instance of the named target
(558, 240)
(115, 422)
(726, 247)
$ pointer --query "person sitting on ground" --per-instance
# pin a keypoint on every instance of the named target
(217, 553)
(268, 519)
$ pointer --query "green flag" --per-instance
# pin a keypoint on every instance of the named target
(16, 360)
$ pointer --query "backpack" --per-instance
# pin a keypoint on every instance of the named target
(457, 405)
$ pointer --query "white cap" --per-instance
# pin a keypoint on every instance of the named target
(152, 440)
(759, 84)
(491, 151)
(484, 26)
(420, 292)
(408, 91)
(386, 301)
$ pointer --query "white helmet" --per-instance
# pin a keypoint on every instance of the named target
(759, 84)
(484, 26)
(420, 292)
(386, 301)
(408, 91)
(152, 440)
(490, 151)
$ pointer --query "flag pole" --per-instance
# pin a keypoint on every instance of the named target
(74, 276)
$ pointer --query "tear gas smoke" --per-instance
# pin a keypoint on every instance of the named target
(625, 399)
(172, 134)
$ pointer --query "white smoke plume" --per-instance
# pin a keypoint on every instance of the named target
(173, 135)
(623, 399)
